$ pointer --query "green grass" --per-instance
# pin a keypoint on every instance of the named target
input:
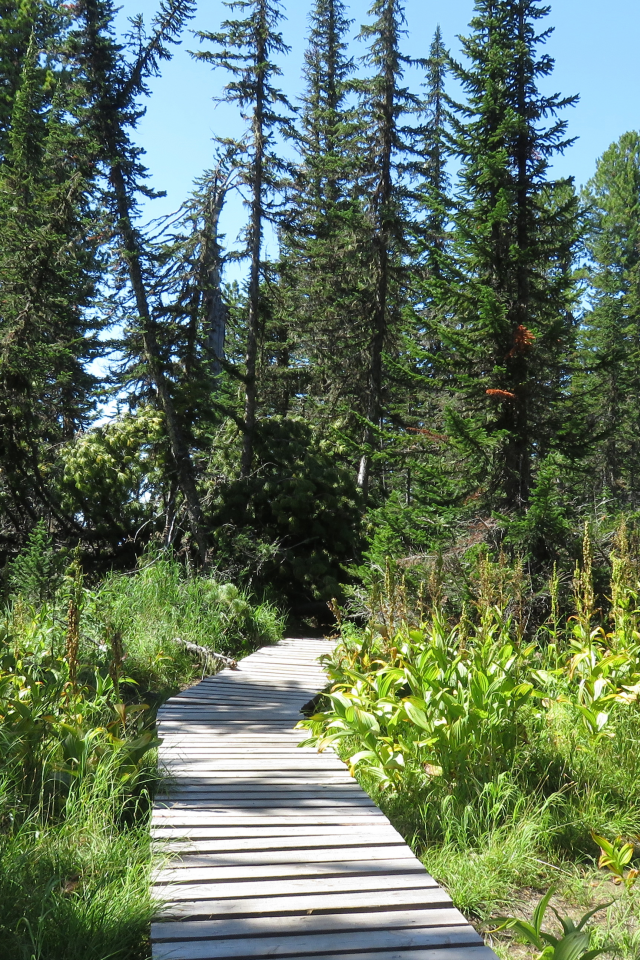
(79, 766)
(76, 887)
(497, 848)
(159, 603)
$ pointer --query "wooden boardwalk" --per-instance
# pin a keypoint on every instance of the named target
(280, 853)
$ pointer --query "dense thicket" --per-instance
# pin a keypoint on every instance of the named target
(442, 353)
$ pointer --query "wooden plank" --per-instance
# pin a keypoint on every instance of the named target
(446, 953)
(265, 830)
(273, 872)
(186, 795)
(459, 953)
(305, 924)
(307, 904)
(183, 819)
(320, 761)
(176, 753)
(365, 816)
(286, 780)
(334, 944)
(245, 800)
(338, 804)
(280, 766)
(212, 860)
(253, 765)
(233, 695)
(338, 843)
(265, 776)
(287, 887)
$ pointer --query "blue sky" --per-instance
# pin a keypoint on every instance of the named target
(595, 45)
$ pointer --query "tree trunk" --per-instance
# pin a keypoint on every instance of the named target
(215, 309)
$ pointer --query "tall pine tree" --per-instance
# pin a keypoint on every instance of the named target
(324, 232)
(386, 145)
(611, 328)
(508, 300)
(48, 274)
(245, 48)
(115, 79)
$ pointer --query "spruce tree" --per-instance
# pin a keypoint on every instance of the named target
(48, 274)
(433, 151)
(386, 144)
(324, 232)
(510, 330)
(611, 327)
(245, 49)
(23, 22)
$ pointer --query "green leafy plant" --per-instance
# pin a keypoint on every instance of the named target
(574, 944)
(428, 701)
(616, 855)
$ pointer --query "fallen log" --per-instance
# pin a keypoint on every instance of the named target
(205, 655)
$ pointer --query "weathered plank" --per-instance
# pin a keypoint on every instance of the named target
(234, 890)
(418, 898)
(334, 842)
(301, 924)
(221, 873)
(214, 859)
(339, 942)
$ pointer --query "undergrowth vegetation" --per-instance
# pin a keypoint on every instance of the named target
(508, 753)
(83, 669)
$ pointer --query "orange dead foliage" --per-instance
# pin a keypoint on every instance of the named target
(429, 434)
(501, 394)
(522, 340)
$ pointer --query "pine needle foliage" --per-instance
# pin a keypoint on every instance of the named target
(509, 298)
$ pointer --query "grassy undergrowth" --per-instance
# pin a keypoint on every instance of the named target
(502, 753)
(76, 886)
(82, 673)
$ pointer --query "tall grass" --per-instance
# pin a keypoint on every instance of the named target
(152, 607)
(82, 672)
(76, 886)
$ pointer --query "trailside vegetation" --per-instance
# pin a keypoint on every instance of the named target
(83, 670)
(402, 394)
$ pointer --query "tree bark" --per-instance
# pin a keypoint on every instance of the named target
(215, 309)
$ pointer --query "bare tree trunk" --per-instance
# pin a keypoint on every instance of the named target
(179, 447)
(215, 309)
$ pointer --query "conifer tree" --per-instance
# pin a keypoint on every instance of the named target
(386, 146)
(114, 83)
(509, 298)
(245, 49)
(324, 231)
(432, 147)
(23, 22)
(611, 328)
(48, 272)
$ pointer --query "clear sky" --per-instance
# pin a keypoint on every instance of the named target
(595, 46)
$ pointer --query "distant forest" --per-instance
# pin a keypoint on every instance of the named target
(444, 354)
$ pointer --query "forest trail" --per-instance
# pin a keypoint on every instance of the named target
(281, 854)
